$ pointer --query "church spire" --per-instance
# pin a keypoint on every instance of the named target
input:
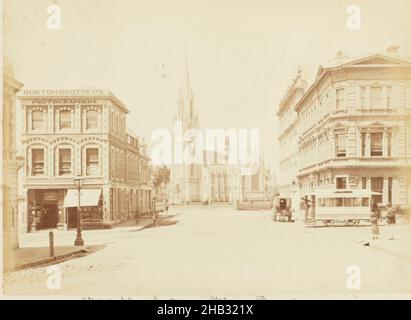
(186, 66)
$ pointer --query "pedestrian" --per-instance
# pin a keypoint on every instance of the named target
(391, 214)
(166, 204)
(375, 230)
(306, 207)
(391, 219)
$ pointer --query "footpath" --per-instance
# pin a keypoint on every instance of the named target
(34, 247)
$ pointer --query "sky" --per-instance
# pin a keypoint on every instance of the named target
(242, 54)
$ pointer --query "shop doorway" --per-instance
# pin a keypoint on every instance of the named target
(50, 216)
(72, 218)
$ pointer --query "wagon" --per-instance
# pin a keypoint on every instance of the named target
(282, 209)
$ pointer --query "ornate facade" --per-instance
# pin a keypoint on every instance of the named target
(288, 141)
(80, 132)
(354, 128)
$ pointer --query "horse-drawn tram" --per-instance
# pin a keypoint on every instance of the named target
(348, 207)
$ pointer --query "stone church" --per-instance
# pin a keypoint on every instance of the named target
(212, 182)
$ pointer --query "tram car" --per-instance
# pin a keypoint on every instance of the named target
(349, 207)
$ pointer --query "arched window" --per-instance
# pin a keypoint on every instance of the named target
(37, 159)
(92, 162)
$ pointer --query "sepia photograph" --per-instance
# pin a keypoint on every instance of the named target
(206, 150)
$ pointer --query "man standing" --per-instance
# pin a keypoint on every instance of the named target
(391, 219)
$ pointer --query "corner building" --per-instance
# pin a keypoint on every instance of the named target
(66, 133)
(354, 128)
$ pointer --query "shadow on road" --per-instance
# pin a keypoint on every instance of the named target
(163, 223)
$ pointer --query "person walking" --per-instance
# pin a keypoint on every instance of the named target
(166, 204)
(391, 219)
(306, 207)
(375, 230)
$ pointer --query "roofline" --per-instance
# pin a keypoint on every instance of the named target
(347, 65)
(107, 95)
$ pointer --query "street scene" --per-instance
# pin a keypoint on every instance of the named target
(215, 150)
(223, 253)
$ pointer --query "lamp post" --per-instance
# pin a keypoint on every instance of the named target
(78, 181)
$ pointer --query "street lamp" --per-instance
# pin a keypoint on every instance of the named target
(78, 181)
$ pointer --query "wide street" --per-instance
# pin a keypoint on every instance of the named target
(223, 253)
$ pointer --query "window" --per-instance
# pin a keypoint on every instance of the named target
(340, 147)
(340, 99)
(347, 202)
(92, 165)
(389, 97)
(338, 202)
(92, 119)
(377, 186)
(362, 97)
(38, 120)
(37, 156)
(64, 162)
(341, 183)
(255, 181)
(364, 182)
(329, 202)
(65, 119)
(375, 97)
(356, 202)
(389, 141)
(363, 137)
(376, 144)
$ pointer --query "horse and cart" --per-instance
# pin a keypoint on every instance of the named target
(282, 209)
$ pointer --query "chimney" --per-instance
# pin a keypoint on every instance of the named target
(393, 49)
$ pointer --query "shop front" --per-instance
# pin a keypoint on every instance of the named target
(45, 209)
(90, 203)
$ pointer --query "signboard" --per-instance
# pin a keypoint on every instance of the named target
(50, 196)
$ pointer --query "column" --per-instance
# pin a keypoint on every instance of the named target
(395, 190)
(367, 144)
(385, 143)
(385, 191)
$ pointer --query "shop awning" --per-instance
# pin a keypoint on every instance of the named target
(88, 198)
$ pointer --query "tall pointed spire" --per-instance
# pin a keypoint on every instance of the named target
(186, 65)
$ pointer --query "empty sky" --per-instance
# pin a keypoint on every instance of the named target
(242, 54)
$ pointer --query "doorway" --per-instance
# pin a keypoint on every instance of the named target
(72, 218)
(50, 216)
